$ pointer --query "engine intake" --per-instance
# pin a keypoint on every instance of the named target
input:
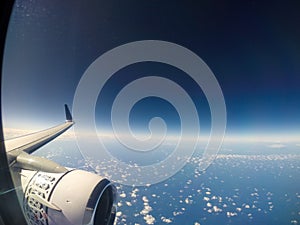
(75, 197)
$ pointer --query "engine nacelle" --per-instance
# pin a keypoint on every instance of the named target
(75, 197)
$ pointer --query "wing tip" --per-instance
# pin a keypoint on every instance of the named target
(69, 117)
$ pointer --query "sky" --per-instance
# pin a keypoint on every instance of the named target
(252, 47)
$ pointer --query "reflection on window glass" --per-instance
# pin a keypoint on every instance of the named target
(137, 96)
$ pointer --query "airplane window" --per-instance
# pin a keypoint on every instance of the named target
(150, 112)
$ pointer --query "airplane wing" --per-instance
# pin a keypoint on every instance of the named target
(31, 142)
(53, 194)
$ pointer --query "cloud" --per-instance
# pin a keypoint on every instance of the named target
(10, 133)
(123, 195)
(276, 145)
(166, 220)
(149, 219)
(259, 157)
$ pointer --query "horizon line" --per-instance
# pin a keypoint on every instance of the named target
(251, 137)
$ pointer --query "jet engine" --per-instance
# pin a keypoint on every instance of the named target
(75, 197)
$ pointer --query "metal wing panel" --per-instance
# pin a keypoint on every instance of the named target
(31, 142)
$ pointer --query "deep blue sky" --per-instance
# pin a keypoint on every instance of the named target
(253, 48)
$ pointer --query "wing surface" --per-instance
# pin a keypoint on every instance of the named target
(31, 142)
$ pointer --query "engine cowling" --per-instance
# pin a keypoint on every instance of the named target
(75, 197)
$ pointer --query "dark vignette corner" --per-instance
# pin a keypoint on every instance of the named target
(10, 210)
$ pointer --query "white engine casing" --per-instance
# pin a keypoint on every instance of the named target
(73, 198)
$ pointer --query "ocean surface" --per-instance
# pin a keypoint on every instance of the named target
(248, 183)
